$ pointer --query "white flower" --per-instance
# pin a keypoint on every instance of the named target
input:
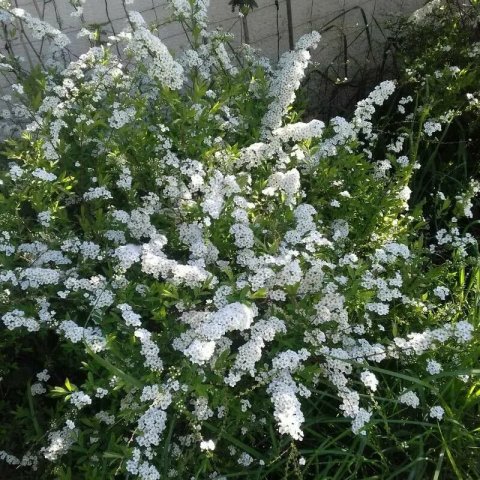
(149, 348)
(15, 171)
(145, 45)
(437, 412)
(17, 319)
(287, 409)
(463, 331)
(118, 119)
(245, 459)
(200, 351)
(100, 392)
(243, 235)
(44, 218)
(95, 193)
(441, 292)
(369, 380)
(409, 398)
(404, 194)
(42, 174)
(431, 127)
(60, 442)
(290, 71)
(152, 424)
(131, 318)
(43, 376)
(80, 399)
(37, 389)
(433, 367)
(208, 445)
(359, 421)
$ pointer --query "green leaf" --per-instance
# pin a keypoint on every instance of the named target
(69, 386)
(128, 379)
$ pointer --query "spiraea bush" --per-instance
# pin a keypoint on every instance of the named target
(198, 285)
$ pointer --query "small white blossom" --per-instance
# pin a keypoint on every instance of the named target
(80, 399)
(437, 412)
(208, 445)
(433, 367)
(409, 398)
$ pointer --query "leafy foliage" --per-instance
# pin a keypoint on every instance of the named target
(196, 284)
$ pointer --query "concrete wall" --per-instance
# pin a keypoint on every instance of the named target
(267, 24)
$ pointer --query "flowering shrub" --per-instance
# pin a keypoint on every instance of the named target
(188, 270)
(438, 51)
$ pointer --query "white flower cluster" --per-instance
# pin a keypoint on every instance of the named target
(218, 189)
(283, 392)
(92, 336)
(441, 292)
(95, 290)
(194, 11)
(17, 319)
(149, 348)
(286, 80)
(125, 179)
(409, 398)
(95, 193)
(151, 425)
(41, 29)
(287, 408)
(37, 389)
(42, 174)
(207, 445)
(44, 218)
(300, 131)
(243, 235)
(15, 171)
(287, 183)
(131, 318)
(251, 352)
(465, 201)
(43, 376)
(362, 119)
(156, 263)
(221, 246)
(145, 46)
(245, 459)
(455, 239)
(369, 380)
(437, 412)
(127, 255)
(28, 460)
(209, 329)
(344, 132)
(80, 399)
(430, 127)
(433, 367)
(362, 417)
(60, 442)
(419, 343)
(105, 417)
(121, 117)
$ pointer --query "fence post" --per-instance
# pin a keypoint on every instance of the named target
(290, 25)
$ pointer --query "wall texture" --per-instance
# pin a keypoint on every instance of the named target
(267, 24)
